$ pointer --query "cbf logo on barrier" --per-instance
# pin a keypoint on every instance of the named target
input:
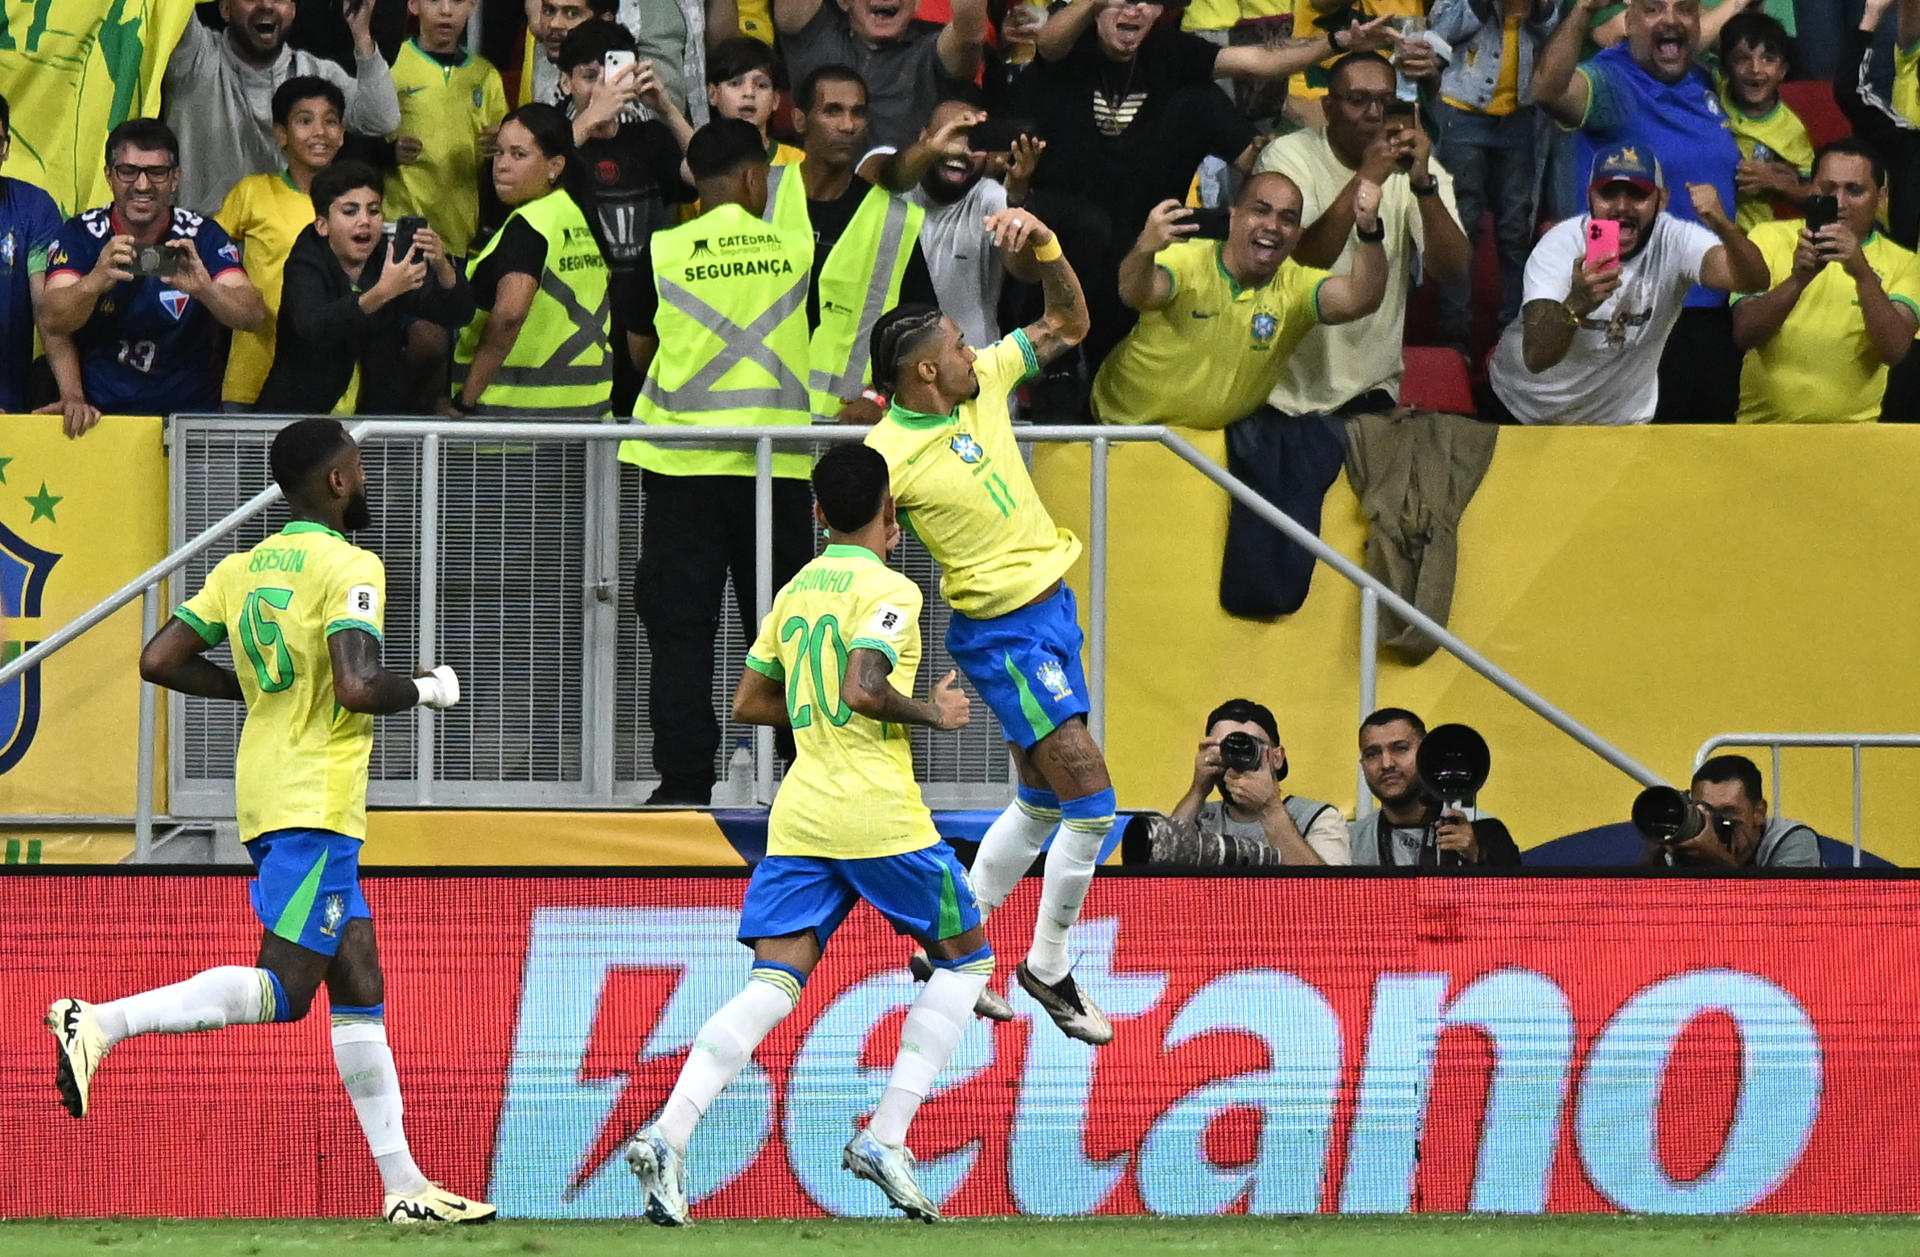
(612, 999)
(24, 568)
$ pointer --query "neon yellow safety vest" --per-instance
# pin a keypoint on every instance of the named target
(879, 241)
(560, 366)
(732, 332)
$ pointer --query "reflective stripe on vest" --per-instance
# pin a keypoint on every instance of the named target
(560, 364)
(879, 241)
(732, 333)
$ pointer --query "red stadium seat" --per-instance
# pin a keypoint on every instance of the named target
(1436, 379)
(1813, 100)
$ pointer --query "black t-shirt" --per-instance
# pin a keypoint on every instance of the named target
(521, 251)
(1128, 135)
(633, 176)
(830, 220)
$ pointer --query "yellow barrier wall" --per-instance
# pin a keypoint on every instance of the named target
(78, 519)
(1660, 584)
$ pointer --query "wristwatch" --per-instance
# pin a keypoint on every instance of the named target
(1431, 186)
(1378, 234)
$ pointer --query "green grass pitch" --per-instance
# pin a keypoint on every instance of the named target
(1068, 1237)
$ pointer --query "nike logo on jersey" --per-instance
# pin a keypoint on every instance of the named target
(1203, 314)
(409, 91)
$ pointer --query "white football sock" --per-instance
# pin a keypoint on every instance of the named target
(1007, 850)
(933, 1028)
(225, 996)
(719, 1052)
(365, 1062)
(1070, 862)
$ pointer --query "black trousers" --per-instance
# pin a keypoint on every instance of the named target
(1291, 461)
(1700, 369)
(694, 532)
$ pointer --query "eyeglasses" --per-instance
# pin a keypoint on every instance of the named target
(1364, 102)
(126, 173)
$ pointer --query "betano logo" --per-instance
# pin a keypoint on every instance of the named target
(587, 1069)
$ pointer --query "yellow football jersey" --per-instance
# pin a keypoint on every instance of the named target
(959, 482)
(446, 108)
(303, 758)
(850, 794)
(264, 214)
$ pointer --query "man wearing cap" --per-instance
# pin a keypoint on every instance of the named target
(1252, 822)
(1649, 92)
(1588, 344)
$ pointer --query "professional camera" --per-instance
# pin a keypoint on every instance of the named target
(1241, 752)
(1671, 817)
(1453, 763)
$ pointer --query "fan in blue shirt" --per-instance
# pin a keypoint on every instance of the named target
(129, 329)
(29, 220)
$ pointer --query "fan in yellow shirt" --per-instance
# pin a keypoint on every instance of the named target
(1844, 305)
(265, 214)
(451, 104)
(1776, 154)
(303, 610)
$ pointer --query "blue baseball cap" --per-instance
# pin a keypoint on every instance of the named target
(1632, 162)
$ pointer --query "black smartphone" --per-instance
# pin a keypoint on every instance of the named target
(156, 260)
(404, 229)
(1821, 211)
(997, 133)
(1210, 224)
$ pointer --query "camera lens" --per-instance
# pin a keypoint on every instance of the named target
(1241, 752)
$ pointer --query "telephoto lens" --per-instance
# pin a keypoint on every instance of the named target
(1666, 815)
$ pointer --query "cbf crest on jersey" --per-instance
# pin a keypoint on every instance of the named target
(967, 448)
(23, 583)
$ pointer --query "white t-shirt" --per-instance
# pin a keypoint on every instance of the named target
(1611, 374)
(1333, 364)
(966, 270)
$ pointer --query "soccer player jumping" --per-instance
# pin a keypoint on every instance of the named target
(303, 609)
(835, 660)
(964, 491)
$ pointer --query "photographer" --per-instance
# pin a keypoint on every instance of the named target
(1410, 829)
(1252, 822)
(1738, 834)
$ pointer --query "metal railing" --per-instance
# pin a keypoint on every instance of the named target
(762, 440)
(1856, 742)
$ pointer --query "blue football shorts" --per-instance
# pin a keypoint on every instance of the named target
(924, 894)
(306, 886)
(1026, 665)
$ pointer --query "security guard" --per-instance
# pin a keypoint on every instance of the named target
(866, 257)
(723, 333)
(538, 348)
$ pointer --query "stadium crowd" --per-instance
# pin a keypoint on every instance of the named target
(1561, 212)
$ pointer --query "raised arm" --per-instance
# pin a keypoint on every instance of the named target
(1063, 320)
(1144, 284)
(176, 660)
(1065, 27)
(1547, 327)
(902, 169)
(373, 106)
(1735, 264)
(867, 690)
(1344, 298)
(962, 44)
(1294, 56)
(1557, 89)
(1758, 319)
(790, 15)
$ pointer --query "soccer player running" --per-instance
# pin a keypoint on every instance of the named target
(304, 610)
(964, 491)
(835, 661)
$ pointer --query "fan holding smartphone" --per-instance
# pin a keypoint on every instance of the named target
(1603, 292)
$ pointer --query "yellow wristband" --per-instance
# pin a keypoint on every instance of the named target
(1048, 252)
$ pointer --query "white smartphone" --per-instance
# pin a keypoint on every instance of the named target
(616, 60)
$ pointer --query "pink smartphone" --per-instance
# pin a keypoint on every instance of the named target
(1603, 243)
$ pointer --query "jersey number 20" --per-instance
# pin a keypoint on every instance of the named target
(813, 640)
(260, 634)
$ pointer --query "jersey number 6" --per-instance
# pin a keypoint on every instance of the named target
(259, 634)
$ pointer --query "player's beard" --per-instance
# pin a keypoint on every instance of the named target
(358, 513)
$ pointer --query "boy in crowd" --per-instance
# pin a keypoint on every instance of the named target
(29, 223)
(451, 104)
(632, 167)
(741, 84)
(1776, 154)
(265, 214)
